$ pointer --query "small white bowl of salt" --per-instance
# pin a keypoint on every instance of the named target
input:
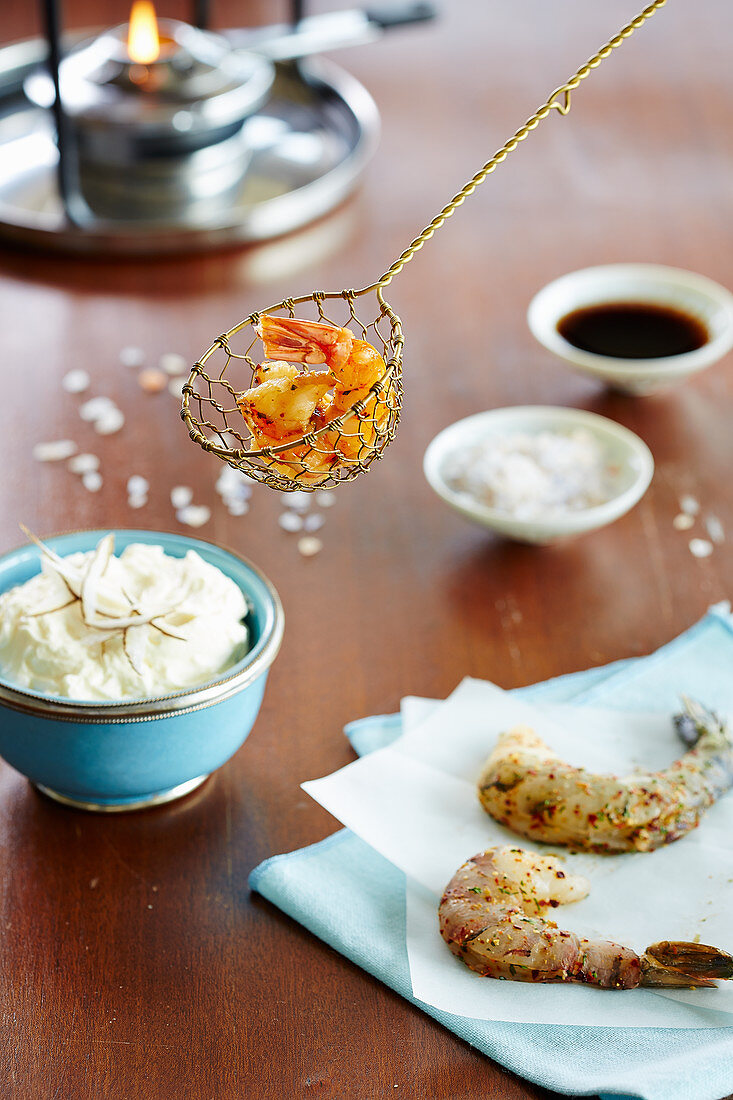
(539, 473)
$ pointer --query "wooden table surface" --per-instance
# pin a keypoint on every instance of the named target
(134, 961)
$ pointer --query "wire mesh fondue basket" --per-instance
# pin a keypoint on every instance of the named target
(313, 429)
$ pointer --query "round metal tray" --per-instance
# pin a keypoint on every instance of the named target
(310, 142)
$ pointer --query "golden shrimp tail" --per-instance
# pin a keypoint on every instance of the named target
(674, 964)
(300, 341)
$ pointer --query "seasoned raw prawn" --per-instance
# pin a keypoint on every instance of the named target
(492, 916)
(528, 788)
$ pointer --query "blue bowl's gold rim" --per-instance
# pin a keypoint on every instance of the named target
(164, 706)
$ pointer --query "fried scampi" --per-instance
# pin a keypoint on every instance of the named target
(286, 404)
(527, 787)
(493, 916)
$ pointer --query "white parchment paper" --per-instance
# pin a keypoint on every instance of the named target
(416, 804)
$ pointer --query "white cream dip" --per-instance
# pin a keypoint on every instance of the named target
(49, 648)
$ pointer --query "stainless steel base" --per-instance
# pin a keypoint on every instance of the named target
(158, 799)
(310, 144)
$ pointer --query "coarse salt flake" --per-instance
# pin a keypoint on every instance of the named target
(110, 421)
(532, 475)
(96, 407)
(683, 521)
(690, 505)
(194, 515)
(92, 481)
(715, 528)
(76, 381)
(233, 484)
(83, 464)
(299, 501)
(291, 521)
(137, 485)
(181, 496)
(175, 386)
(55, 451)
(701, 548)
(309, 545)
(172, 363)
(132, 357)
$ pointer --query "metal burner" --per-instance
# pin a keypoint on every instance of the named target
(158, 138)
(218, 139)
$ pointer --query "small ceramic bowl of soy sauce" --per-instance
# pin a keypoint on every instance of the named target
(640, 328)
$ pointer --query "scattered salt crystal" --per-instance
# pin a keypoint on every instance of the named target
(109, 422)
(132, 357)
(137, 486)
(172, 363)
(324, 498)
(309, 545)
(83, 464)
(76, 381)
(299, 501)
(701, 548)
(55, 451)
(235, 489)
(92, 481)
(683, 522)
(152, 380)
(715, 528)
(137, 501)
(290, 521)
(181, 496)
(533, 474)
(231, 482)
(194, 515)
(689, 505)
(175, 386)
(314, 522)
(96, 407)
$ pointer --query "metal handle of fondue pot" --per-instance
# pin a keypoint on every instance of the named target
(330, 31)
(315, 34)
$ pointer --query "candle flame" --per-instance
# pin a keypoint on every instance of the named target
(143, 43)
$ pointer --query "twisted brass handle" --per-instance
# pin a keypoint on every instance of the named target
(553, 102)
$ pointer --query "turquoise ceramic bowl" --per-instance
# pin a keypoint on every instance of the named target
(141, 752)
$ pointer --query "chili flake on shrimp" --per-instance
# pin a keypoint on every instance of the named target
(493, 916)
(530, 789)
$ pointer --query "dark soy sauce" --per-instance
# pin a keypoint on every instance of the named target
(633, 330)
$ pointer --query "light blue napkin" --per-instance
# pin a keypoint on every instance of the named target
(652, 1063)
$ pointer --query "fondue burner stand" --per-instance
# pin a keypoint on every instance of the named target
(219, 138)
(151, 140)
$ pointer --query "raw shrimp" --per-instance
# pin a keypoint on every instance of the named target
(492, 916)
(528, 788)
